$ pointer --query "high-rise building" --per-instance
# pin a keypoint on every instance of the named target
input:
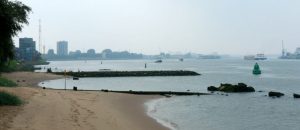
(27, 49)
(62, 48)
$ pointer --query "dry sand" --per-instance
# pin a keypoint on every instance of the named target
(73, 110)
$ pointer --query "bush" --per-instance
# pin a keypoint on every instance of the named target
(9, 99)
(7, 83)
(13, 66)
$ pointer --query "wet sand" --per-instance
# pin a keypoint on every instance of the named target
(58, 109)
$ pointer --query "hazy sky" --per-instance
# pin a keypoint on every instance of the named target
(152, 26)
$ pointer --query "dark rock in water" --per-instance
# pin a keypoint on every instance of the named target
(275, 94)
(44, 87)
(212, 88)
(296, 95)
(260, 91)
(240, 87)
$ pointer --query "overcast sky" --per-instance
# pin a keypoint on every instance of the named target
(152, 26)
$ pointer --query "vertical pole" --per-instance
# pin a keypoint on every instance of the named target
(40, 33)
(65, 80)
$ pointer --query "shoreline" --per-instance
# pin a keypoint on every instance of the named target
(151, 108)
(59, 109)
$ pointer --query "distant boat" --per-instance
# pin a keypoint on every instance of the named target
(255, 57)
(181, 59)
(158, 61)
(256, 70)
(260, 57)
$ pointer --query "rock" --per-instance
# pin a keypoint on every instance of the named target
(226, 88)
(240, 87)
(275, 94)
(212, 88)
(296, 95)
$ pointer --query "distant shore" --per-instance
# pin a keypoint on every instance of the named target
(61, 110)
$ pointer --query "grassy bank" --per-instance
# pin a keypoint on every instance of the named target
(7, 83)
(9, 99)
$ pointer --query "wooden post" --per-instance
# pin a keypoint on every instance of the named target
(65, 80)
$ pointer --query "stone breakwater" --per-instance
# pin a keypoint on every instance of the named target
(128, 73)
(163, 93)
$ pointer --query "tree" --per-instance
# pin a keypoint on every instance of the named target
(13, 14)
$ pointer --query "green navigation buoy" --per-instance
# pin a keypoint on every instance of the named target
(256, 69)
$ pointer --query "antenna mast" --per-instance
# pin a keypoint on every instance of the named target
(40, 33)
(283, 51)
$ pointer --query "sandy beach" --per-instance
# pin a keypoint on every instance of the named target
(72, 110)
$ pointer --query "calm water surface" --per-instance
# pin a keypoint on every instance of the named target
(247, 111)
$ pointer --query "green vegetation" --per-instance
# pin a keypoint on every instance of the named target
(9, 99)
(13, 14)
(13, 65)
(7, 83)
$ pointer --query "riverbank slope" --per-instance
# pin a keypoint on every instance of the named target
(58, 109)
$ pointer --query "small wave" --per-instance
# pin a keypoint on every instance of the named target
(152, 110)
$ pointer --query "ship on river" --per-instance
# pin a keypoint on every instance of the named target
(260, 56)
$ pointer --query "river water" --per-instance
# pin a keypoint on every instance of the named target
(240, 111)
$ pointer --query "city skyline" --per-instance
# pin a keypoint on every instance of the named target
(150, 27)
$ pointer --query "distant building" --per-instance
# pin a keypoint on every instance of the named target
(75, 53)
(62, 48)
(27, 49)
(51, 52)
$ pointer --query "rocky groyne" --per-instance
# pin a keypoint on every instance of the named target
(128, 73)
